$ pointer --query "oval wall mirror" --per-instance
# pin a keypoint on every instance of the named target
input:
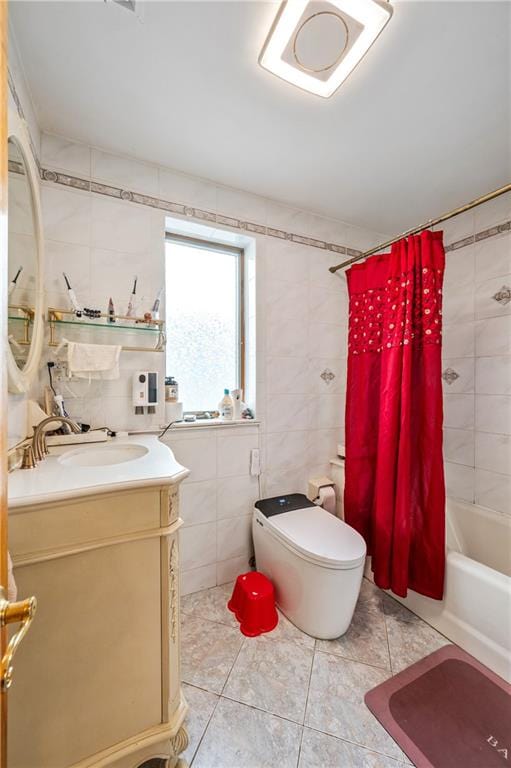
(25, 260)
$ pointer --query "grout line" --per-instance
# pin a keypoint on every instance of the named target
(387, 637)
(232, 666)
(300, 745)
(206, 727)
(260, 709)
(308, 692)
(363, 746)
(354, 661)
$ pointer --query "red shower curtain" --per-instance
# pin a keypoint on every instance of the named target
(394, 478)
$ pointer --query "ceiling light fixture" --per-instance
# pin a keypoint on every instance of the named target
(315, 45)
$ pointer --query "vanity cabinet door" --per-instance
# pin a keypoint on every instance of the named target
(90, 674)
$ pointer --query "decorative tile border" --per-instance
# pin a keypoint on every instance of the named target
(56, 177)
(216, 218)
(483, 235)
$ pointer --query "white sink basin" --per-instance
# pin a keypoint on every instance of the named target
(103, 456)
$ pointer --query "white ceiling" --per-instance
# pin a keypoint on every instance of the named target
(422, 124)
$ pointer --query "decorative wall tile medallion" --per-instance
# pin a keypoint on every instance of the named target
(327, 376)
(503, 296)
(49, 175)
(450, 375)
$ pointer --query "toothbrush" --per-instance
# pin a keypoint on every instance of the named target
(111, 311)
(72, 297)
(155, 312)
(132, 302)
(12, 284)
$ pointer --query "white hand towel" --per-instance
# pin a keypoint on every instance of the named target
(93, 361)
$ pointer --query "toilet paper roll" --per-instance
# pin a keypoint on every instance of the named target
(327, 499)
(173, 411)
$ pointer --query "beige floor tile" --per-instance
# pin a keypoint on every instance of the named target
(365, 640)
(201, 706)
(210, 604)
(319, 750)
(286, 630)
(410, 641)
(242, 737)
(370, 594)
(208, 651)
(272, 675)
(395, 609)
(336, 703)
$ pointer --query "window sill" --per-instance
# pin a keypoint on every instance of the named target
(207, 423)
(199, 424)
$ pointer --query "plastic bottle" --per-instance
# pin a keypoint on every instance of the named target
(226, 407)
(236, 395)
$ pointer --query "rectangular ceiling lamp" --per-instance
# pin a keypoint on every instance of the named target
(315, 45)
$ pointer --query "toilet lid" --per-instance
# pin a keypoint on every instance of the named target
(321, 537)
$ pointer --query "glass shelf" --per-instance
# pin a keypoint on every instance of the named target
(66, 317)
(146, 328)
(19, 317)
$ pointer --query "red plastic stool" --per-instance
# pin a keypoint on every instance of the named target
(253, 604)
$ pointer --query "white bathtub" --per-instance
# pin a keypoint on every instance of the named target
(476, 610)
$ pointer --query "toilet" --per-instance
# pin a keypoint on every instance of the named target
(314, 559)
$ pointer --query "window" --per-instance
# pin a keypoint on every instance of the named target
(204, 312)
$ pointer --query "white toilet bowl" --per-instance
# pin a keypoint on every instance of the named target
(314, 560)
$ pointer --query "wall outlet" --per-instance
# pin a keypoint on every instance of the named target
(255, 462)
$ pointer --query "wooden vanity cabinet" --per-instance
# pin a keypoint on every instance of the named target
(97, 680)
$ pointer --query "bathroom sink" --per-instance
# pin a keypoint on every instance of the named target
(103, 456)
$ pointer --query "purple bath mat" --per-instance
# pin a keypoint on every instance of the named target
(447, 711)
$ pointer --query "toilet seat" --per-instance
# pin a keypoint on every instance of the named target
(317, 536)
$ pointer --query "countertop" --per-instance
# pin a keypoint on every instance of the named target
(53, 481)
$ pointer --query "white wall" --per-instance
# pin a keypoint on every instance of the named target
(216, 502)
(101, 242)
(477, 346)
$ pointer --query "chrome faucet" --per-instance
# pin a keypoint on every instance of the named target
(39, 445)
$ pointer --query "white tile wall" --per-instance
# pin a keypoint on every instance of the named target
(216, 501)
(477, 345)
(299, 330)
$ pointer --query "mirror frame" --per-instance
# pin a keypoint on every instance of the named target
(20, 380)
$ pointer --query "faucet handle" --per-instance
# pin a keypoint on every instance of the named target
(28, 461)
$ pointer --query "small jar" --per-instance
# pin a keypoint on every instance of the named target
(171, 390)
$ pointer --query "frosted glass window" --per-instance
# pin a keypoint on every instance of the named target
(203, 312)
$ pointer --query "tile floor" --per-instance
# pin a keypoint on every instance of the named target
(284, 699)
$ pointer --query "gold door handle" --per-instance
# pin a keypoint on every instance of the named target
(12, 613)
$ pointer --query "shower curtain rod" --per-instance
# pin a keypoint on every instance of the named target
(430, 223)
